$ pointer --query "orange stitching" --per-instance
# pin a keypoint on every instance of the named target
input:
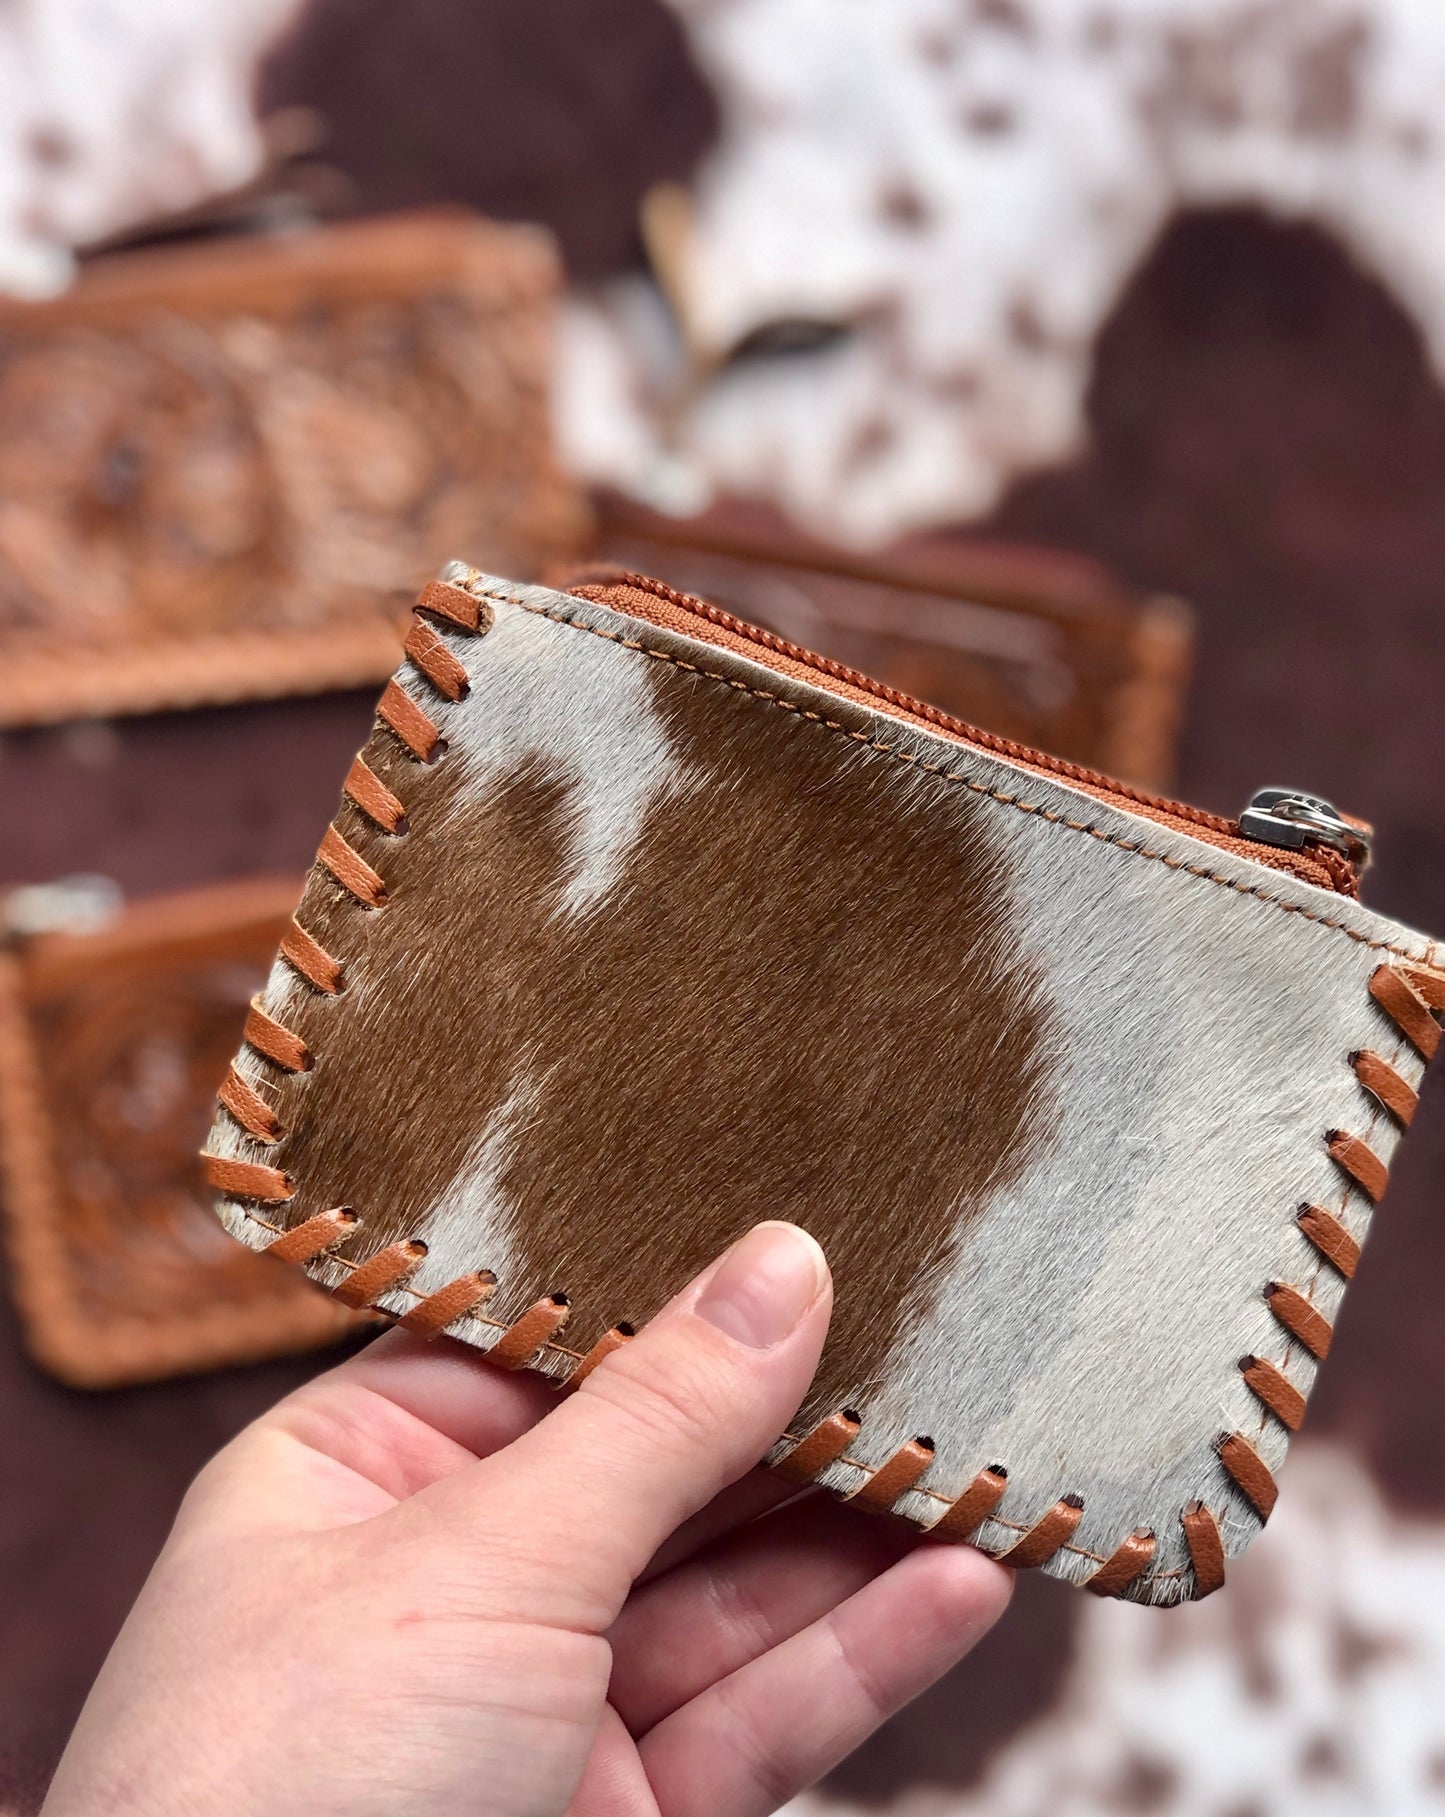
(1129, 1560)
(1428, 980)
(525, 1336)
(364, 787)
(427, 651)
(249, 1108)
(1330, 1237)
(1250, 1472)
(432, 1315)
(351, 870)
(896, 1474)
(599, 1353)
(1397, 996)
(275, 1043)
(311, 959)
(308, 1240)
(963, 1517)
(1046, 1535)
(1266, 1380)
(1407, 994)
(1360, 1162)
(455, 604)
(990, 1482)
(247, 1179)
(1301, 1318)
(1382, 1081)
(824, 1445)
(380, 1272)
(1206, 1548)
(420, 735)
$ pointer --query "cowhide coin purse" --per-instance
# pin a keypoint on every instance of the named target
(637, 925)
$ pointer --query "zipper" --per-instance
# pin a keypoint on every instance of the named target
(1286, 829)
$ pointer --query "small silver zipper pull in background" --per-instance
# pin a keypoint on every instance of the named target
(1290, 819)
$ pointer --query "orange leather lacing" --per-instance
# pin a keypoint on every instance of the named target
(324, 973)
(1410, 994)
(390, 1269)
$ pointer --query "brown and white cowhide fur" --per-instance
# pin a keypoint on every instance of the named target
(670, 949)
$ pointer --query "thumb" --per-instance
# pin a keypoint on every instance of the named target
(654, 1432)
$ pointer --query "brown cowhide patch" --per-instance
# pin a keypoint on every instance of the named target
(802, 997)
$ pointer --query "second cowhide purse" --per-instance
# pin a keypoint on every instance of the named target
(637, 925)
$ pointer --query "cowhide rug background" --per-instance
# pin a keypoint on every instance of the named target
(1315, 1685)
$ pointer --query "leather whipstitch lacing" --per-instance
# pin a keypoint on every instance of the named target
(1408, 993)
(301, 950)
(389, 1270)
(1411, 995)
(535, 1334)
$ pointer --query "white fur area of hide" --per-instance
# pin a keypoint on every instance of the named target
(112, 114)
(966, 189)
(1313, 1683)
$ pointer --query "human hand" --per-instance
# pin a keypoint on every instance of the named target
(406, 1591)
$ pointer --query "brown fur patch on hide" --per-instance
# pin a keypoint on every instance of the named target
(801, 999)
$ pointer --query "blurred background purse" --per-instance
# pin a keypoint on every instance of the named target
(115, 1024)
(225, 465)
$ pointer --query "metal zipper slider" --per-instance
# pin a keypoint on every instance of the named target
(1290, 819)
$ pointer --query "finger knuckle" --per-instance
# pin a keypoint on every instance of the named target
(744, 1613)
(668, 1403)
(765, 1760)
(861, 1674)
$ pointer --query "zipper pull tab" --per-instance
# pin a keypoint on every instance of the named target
(1290, 819)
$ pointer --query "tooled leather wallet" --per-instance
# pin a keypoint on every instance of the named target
(637, 924)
